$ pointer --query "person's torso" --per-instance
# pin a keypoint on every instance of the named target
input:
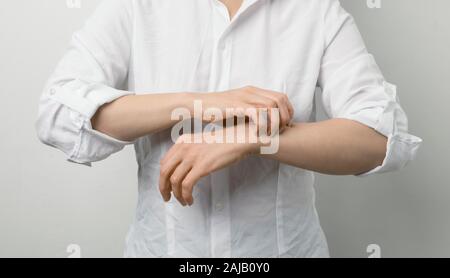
(258, 207)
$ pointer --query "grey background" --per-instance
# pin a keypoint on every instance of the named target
(47, 204)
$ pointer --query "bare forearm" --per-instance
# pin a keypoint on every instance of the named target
(333, 147)
(336, 147)
(131, 117)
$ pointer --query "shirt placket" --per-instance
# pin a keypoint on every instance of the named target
(219, 181)
(220, 81)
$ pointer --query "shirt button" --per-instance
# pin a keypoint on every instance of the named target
(219, 207)
(52, 91)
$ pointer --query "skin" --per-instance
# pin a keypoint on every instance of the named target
(134, 116)
(336, 146)
(232, 6)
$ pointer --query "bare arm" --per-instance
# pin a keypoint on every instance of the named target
(335, 147)
(339, 147)
(131, 117)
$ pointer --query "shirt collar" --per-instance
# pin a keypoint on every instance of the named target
(245, 5)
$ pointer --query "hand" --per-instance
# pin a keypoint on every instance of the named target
(251, 97)
(185, 163)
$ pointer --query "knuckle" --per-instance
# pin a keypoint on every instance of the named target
(174, 179)
(272, 103)
(186, 185)
(163, 171)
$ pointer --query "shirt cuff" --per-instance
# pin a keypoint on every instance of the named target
(391, 122)
(92, 145)
(84, 100)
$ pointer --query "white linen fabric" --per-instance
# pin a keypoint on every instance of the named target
(258, 207)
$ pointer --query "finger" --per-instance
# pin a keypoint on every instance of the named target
(166, 170)
(250, 90)
(188, 184)
(257, 99)
(278, 119)
(262, 106)
(282, 105)
(170, 153)
(177, 178)
(250, 98)
(264, 121)
(285, 100)
(284, 118)
(291, 109)
(274, 119)
(251, 112)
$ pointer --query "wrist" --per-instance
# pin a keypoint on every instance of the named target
(253, 148)
(190, 98)
(246, 142)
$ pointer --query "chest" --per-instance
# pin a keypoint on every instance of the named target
(195, 49)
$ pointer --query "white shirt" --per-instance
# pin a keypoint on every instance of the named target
(259, 207)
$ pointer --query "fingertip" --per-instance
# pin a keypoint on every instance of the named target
(166, 197)
(182, 202)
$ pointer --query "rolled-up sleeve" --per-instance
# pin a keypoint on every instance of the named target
(93, 72)
(354, 88)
